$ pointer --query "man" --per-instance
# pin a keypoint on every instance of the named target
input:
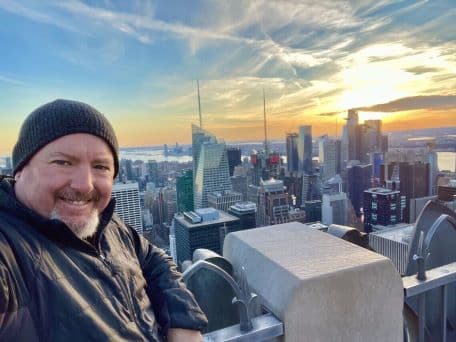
(70, 269)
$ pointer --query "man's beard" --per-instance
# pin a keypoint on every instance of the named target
(83, 228)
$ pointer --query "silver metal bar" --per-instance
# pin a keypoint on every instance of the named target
(265, 327)
(421, 316)
(444, 312)
(436, 277)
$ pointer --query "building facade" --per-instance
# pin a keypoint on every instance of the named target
(184, 191)
(273, 204)
(128, 206)
(382, 207)
(211, 165)
(223, 200)
(305, 149)
(203, 228)
(292, 152)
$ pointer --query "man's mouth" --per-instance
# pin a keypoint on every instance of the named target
(75, 202)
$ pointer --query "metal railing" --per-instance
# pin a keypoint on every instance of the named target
(264, 327)
(250, 327)
(425, 281)
(439, 277)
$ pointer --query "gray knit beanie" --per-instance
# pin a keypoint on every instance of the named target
(57, 119)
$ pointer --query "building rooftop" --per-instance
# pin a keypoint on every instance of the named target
(244, 206)
(316, 226)
(401, 232)
(223, 217)
(382, 191)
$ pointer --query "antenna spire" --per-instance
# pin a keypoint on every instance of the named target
(265, 130)
(337, 133)
(199, 104)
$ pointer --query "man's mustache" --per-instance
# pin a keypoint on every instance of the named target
(72, 195)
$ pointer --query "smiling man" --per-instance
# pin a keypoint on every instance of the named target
(69, 267)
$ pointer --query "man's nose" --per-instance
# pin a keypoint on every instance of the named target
(82, 180)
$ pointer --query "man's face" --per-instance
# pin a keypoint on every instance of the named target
(70, 179)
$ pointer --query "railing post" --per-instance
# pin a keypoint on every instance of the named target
(444, 312)
(421, 316)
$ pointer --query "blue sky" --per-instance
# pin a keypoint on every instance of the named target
(138, 61)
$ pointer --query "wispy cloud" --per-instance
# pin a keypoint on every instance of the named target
(36, 15)
(413, 103)
(12, 81)
(418, 70)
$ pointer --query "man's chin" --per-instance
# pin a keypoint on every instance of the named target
(82, 228)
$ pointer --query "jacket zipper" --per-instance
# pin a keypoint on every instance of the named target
(124, 291)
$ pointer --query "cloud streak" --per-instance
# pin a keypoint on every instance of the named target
(413, 103)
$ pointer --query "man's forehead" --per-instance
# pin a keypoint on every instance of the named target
(77, 143)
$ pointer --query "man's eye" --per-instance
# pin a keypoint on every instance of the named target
(61, 162)
(102, 167)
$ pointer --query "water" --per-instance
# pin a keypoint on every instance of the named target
(446, 160)
(157, 154)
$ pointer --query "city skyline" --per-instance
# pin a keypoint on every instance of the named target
(138, 63)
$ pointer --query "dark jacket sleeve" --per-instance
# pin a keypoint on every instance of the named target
(16, 323)
(173, 303)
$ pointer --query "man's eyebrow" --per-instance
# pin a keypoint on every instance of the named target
(61, 154)
(103, 160)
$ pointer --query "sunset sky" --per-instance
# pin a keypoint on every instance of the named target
(138, 62)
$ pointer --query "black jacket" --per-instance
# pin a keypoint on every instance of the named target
(55, 286)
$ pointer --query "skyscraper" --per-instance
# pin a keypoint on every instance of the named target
(351, 135)
(184, 191)
(211, 165)
(222, 200)
(381, 207)
(127, 204)
(414, 182)
(305, 149)
(246, 212)
(204, 228)
(292, 152)
(358, 180)
(272, 203)
(234, 158)
(327, 154)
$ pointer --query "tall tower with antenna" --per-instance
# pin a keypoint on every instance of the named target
(199, 104)
(266, 147)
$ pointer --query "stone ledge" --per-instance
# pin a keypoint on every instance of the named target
(321, 287)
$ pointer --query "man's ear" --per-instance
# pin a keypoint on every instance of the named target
(17, 175)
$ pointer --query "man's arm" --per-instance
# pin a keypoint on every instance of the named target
(16, 323)
(184, 335)
(175, 307)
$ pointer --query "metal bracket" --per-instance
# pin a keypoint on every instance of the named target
(244, 297)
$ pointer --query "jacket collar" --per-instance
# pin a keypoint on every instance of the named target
(53, 229)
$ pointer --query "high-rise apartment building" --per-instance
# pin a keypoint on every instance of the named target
(239, 184)
(334, 208)
(272, 203)
(358, 180)
(305, 149)
(184, 191)
(222, 200)
(212, 173)
(351, 135)
(246, 212)
(313, 210)
(203, 228)
(234, 158)
(414, 182)
(292, 152)
(327, 154)
(381, 207)
(128, 205)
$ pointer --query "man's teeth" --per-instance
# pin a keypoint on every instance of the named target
(75, 202)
